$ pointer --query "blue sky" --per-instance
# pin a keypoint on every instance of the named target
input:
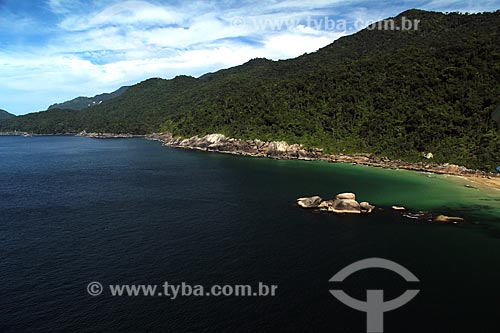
(55, 50)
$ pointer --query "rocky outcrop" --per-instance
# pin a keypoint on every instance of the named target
(345, 206)
(107, 135)
(366, 207)
(448, 219)
(435, 218)
(259, 148)
(312, 202)
(325, 205)
(344, 203)
(283, 150)
(345, 196)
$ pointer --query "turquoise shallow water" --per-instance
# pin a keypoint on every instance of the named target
(75, 210)
(414, 190)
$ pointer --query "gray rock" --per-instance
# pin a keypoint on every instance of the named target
(347, 196)
(326, 204)
(366, 207)
(311, 202)
(448, 219)
(344, 203)
(345, 206)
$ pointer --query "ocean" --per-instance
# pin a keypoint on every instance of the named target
(77, 210)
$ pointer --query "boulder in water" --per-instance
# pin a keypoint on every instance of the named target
(326, 204)
(448, 219)
(344, 203)
(366, 207)
(346, 196)
(345, 206)
(310, 202)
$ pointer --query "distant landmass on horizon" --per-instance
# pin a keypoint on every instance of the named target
(82, 102)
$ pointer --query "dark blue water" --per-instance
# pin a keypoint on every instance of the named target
(75, 210)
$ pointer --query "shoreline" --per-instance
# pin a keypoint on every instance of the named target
(108, 135)
(82, 134)
(218, 143)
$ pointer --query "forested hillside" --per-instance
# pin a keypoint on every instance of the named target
(82, 102)
(5, 115)
(393, 93)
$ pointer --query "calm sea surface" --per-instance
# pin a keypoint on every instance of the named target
(129, 211)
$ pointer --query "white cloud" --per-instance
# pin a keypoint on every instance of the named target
(472, 6)
(285, 45)
(126, 13)
(99, 48)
